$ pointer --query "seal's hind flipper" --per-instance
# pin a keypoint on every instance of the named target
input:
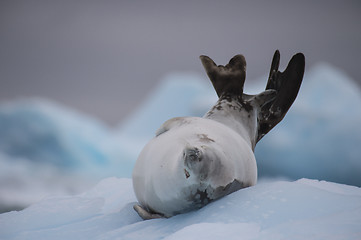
(145, 214)
(273, 104)
(287, 85)
(226, 79)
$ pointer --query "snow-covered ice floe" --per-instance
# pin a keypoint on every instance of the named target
(303, 209)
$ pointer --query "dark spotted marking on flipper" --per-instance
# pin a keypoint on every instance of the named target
(287, 85)
(186, 173)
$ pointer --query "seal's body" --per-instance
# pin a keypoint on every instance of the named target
(196, 161)
(192, 161)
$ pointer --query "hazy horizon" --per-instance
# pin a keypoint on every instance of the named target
(103, 58)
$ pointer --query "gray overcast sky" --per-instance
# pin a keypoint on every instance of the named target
(103, 57)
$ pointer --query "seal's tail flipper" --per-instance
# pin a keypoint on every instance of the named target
(226, 79)
(287, 85)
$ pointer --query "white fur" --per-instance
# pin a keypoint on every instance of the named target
(159, 178)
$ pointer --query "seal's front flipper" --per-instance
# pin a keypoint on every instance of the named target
(145, 214)
(287, 85)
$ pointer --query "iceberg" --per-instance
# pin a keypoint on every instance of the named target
(179, 94)
(48, 133)
(46, 148)
(302, 209)
(319, 137)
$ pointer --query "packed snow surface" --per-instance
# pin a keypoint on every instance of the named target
(304, 209)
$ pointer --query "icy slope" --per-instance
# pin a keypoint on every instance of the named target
(304, 209)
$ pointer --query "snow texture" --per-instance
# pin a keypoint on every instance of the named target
(304, 209)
